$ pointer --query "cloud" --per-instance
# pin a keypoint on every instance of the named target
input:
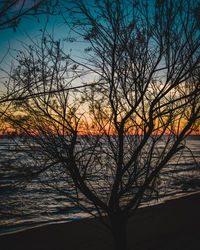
(24, 4)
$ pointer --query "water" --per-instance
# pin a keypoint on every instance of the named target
(30, 204)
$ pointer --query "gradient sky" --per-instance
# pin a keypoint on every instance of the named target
(30, 28)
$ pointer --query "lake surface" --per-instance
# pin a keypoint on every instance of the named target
(30, 205)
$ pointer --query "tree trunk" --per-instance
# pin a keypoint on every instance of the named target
(119, 232)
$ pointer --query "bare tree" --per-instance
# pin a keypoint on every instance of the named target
(107, 155)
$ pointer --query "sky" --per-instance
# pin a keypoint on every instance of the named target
(29, 27)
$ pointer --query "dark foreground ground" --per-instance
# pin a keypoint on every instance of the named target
(174, 225)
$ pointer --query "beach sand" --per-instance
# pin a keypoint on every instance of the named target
(173, 225)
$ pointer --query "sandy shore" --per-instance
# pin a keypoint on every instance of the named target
(174, 225)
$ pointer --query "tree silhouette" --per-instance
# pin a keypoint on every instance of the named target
(104, 146)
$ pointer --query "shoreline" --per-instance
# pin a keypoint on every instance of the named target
(46, 223)
(174, 223)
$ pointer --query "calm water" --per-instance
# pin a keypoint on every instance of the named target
(29, 205)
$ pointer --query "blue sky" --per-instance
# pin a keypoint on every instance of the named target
(28, 27)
